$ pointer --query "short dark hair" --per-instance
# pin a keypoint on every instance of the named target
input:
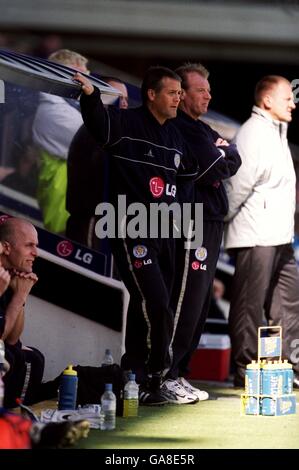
(153, 80)
(264, 85)
(189, 67)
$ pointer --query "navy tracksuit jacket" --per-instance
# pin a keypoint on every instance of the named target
(145, 160)
(196, 267)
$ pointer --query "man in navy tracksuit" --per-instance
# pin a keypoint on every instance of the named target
(146, 154)
(217, 161)
(91, 173)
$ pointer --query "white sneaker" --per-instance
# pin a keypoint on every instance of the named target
(200, 394)
(90, 413)
(173, 391)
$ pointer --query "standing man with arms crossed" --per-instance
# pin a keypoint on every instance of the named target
(146, 153)
(260, 227)
(217, 161)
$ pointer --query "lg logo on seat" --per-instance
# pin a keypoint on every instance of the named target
(65, 249)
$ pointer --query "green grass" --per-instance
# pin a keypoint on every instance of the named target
(213, 424)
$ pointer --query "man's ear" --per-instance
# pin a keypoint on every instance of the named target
(183, 94)
(151, 94)
(268, 101)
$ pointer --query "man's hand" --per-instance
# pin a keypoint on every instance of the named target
(86, 85)
(22, 283)
(221, 142)
(4, 280)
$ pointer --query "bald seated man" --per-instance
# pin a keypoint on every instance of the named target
(19, 242)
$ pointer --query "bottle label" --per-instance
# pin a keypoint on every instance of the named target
(130, 408)
(129, 395)
(108, 405)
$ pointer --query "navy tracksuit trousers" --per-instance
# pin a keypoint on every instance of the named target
(147, 269)
(195, 272)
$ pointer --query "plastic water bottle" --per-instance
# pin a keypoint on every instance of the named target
(131, 398)
(108, 358)
(108, 402)
(68, 389)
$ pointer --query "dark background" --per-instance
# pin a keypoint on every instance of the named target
(232, 83)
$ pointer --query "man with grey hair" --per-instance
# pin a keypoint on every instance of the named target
(70, 58)
(56, 122)
(260, 228)
(217, 160)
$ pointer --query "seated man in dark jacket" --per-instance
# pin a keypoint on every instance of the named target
(19, 243)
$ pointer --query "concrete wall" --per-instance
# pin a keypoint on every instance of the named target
(66, 338)
(166, 28)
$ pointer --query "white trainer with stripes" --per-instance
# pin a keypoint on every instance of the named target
(200, 394)
(175, 393)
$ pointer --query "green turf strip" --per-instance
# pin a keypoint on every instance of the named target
(212, 424)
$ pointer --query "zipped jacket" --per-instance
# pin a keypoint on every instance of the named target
(262, 194)
(145, 156)
(215, 164)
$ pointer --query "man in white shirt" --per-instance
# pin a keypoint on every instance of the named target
(260, 228)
